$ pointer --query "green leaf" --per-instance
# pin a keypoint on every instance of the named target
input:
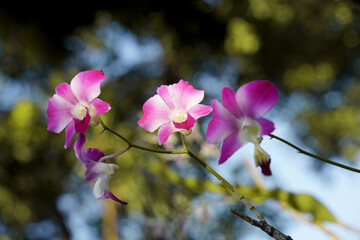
(304, 203)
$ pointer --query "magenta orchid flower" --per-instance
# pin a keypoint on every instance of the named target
(75, 106)
(96, 168)
(239, 120)
(175, 108)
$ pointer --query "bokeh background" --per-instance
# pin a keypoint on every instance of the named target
(309, 49)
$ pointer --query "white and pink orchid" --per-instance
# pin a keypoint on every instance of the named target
(75, 106)
(96, 168)
(239, 120)
(175, 108)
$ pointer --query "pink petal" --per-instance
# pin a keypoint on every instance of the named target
(86, 85)
(187, 124)
(266, 125)
(100, 106)
(222, 124)
(64, 91)
(108, 194)
(165, 131)
(163, 92)
(59, 112)
(155, 113)
(185, 95)
(256, 98)
(90, 174)
(69, 133)
(79, 143)
(101, 190)
(82, 125)
(229, 101)
(199, 110)
(92, 154)
(230, 145)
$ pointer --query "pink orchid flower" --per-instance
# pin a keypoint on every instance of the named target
(75, 106)
(96, 168)
(175, 108)
(239, 120)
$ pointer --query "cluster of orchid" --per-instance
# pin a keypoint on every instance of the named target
(175, 108)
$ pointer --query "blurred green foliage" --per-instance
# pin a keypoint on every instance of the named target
(309, 48)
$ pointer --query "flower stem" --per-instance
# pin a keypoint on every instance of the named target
(202, 163)
(133, 145)
(115, 154)
(183, 142)
(315, 156)
(228, 186)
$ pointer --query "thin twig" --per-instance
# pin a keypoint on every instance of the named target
(133, 145)
(315, 156)
(264, 226)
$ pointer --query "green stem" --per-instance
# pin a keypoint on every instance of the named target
(202, 163)
(133, 145)
(315, 156)
(183, 142)
(228, 186)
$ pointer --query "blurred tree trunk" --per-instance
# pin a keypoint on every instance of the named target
(109, 219)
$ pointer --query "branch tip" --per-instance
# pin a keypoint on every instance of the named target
(263, 225)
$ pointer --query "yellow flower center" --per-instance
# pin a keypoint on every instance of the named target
(79, 110)
(178, 115)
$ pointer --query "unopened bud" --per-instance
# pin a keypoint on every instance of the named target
(262, 159)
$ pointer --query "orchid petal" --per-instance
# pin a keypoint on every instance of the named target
(90, 175)
(59, 112)
(222, 124)
(82, 125)
(96, 169)
(185, 95)
(256, 98)
(64, 91)
(266, 125)
(165, 131)
(230, 145)
(155, 113)
(101, 190)
(86, 85)
(100, 106)
(163, 92)
(79, 143)
(187, 124)
(108, 194)
(69, 133)
(229, 101)
(92, 154)
(199, 110)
